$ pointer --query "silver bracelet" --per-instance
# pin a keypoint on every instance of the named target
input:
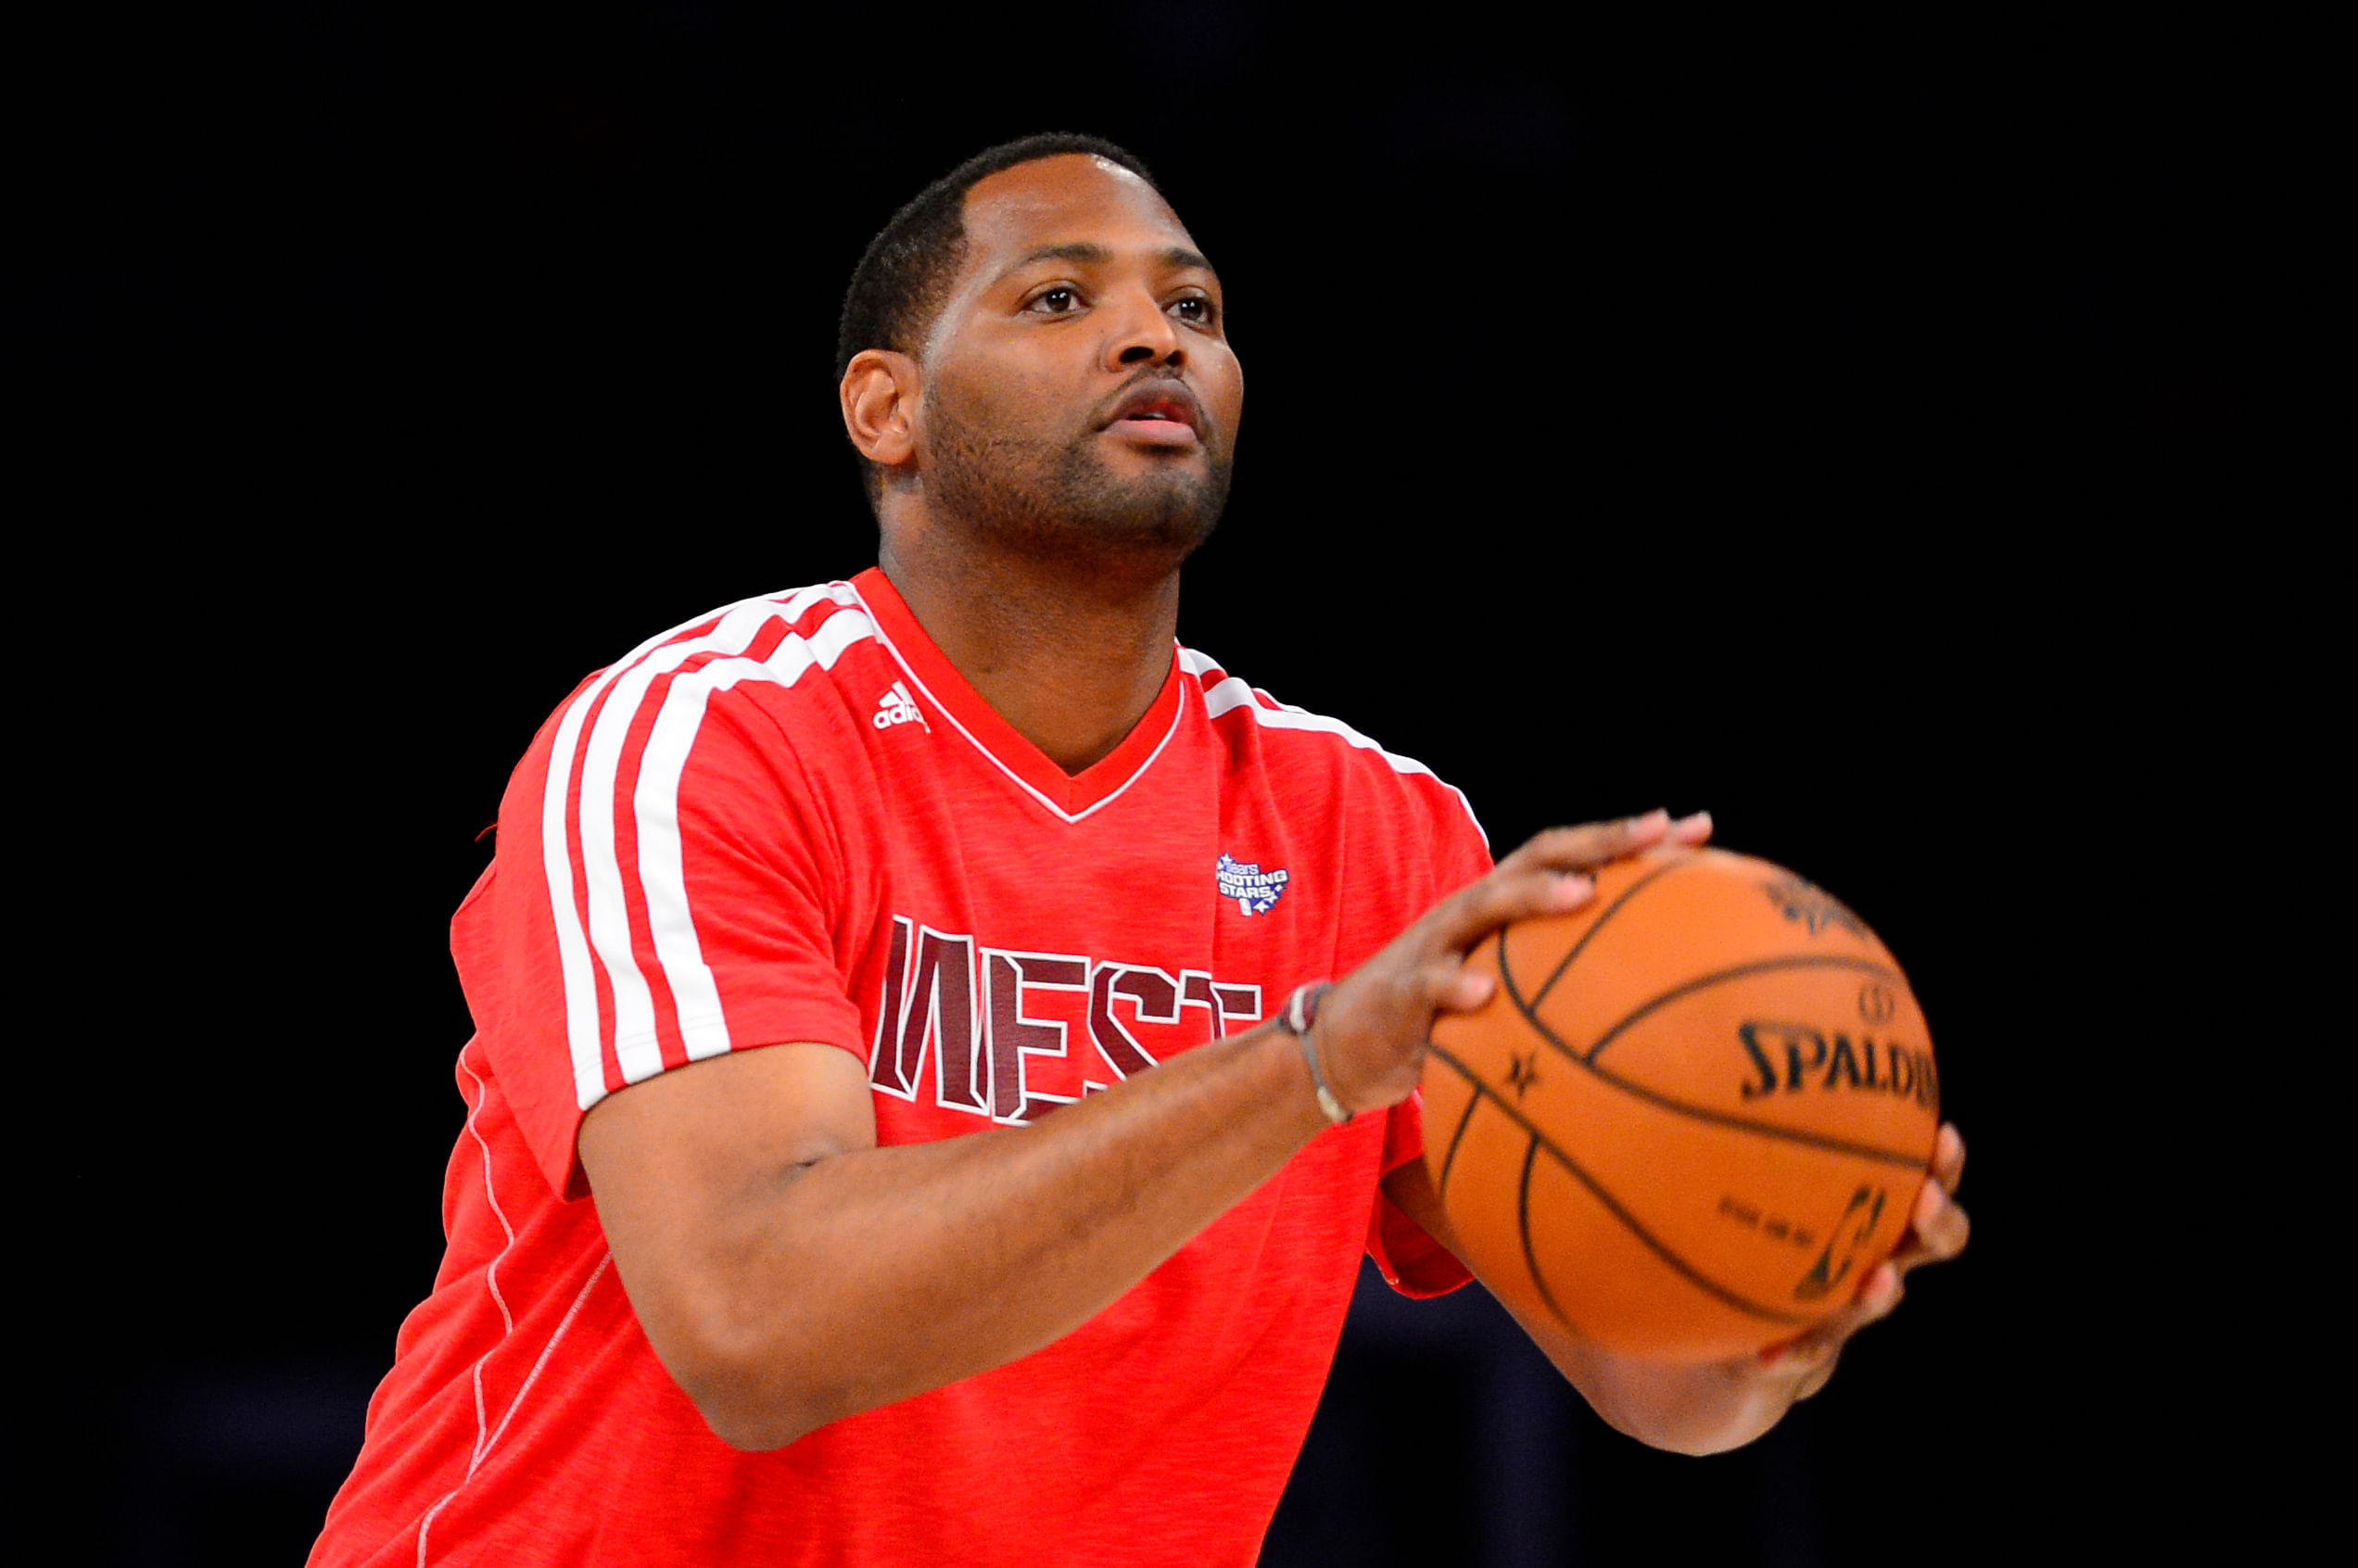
(1295, 1017)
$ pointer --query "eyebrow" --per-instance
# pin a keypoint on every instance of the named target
(1093, 255)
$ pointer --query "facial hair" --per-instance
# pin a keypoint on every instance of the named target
(1058, 498)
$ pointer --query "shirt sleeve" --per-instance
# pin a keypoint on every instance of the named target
(664, 890)
(1412, 1263)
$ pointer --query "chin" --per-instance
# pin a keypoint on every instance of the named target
(1083, 512)
(1169, 516)
(1173, 507)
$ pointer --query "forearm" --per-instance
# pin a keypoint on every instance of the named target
(873, 1276)
(1689, 1408)
(1704, 1408)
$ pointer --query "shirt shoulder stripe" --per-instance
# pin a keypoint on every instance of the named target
(1224, 694)
(592, 922)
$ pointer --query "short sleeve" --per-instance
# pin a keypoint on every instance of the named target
(1412, 1263)
(1464, 849)
(673, 897)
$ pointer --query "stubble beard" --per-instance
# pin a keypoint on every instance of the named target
(1062, 503)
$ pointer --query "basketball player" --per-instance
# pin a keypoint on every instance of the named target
(903, 1125)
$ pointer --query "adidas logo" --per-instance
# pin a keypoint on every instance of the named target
(897, 706)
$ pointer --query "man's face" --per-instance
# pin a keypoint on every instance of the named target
(1079, 394)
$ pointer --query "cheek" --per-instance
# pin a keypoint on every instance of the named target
(1001, 402)
(1227, 398)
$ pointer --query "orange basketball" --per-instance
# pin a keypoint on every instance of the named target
(1694, 1117)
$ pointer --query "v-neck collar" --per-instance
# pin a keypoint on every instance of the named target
(1069, 795)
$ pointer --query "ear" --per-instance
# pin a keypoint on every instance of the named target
(878, 395)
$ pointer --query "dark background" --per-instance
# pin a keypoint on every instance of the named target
(1798, 423)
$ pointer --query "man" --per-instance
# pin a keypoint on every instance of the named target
(910, 973)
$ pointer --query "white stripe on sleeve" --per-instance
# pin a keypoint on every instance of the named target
(558, 833)
(662, 866)
(634, 1002)
(556, 866)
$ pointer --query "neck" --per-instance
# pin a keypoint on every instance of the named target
(1071, 655)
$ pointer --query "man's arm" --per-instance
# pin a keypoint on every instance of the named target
(1709, 1407)
(790, 1272)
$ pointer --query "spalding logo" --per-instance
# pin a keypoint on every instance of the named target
(1790, 1058)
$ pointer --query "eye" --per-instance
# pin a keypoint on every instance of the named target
(1060, 300)
(1196, 310)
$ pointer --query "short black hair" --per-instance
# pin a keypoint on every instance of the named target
(906, 268)
(905, 272)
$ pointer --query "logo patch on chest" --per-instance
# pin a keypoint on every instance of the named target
(897, 706)
(1255, 890)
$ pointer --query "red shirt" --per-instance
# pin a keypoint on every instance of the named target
(794, 820)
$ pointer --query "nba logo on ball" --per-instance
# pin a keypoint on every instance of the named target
(1255, 890)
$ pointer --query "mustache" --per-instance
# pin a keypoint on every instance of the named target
(1153, 378)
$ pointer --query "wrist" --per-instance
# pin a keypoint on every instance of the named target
(1794, 1369)
(1298, 1018)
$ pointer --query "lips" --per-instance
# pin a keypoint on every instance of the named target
(1167, 404)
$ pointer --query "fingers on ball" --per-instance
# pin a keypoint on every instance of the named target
(1944, 1229)
(1455, 987)
(1591, 844)
(1948, 1155)
(1499, 900)
(1883, 1292)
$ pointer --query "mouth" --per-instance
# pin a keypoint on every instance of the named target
(1160, 416)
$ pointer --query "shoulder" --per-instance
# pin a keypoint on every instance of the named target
(1313, 750)
(789, 652)
(770, 671)
(775, 640)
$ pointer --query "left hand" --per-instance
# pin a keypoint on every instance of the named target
(1936, 1231)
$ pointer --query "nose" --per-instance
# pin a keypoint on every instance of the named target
(1141, 334)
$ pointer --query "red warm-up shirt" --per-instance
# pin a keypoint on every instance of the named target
(794, 820)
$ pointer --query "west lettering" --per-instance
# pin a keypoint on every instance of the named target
(942, 995)
(1157, 998)
(1225, 1003)
(929, 1004)
(968, 1006)
(1013, 1036)
(885, 1067)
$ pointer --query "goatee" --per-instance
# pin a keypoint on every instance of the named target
(1066, 503)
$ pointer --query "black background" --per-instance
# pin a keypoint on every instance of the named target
(1791, 423)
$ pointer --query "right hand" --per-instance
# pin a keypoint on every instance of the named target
(1371, 1026)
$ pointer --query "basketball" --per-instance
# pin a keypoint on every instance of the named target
(1694, 1116)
